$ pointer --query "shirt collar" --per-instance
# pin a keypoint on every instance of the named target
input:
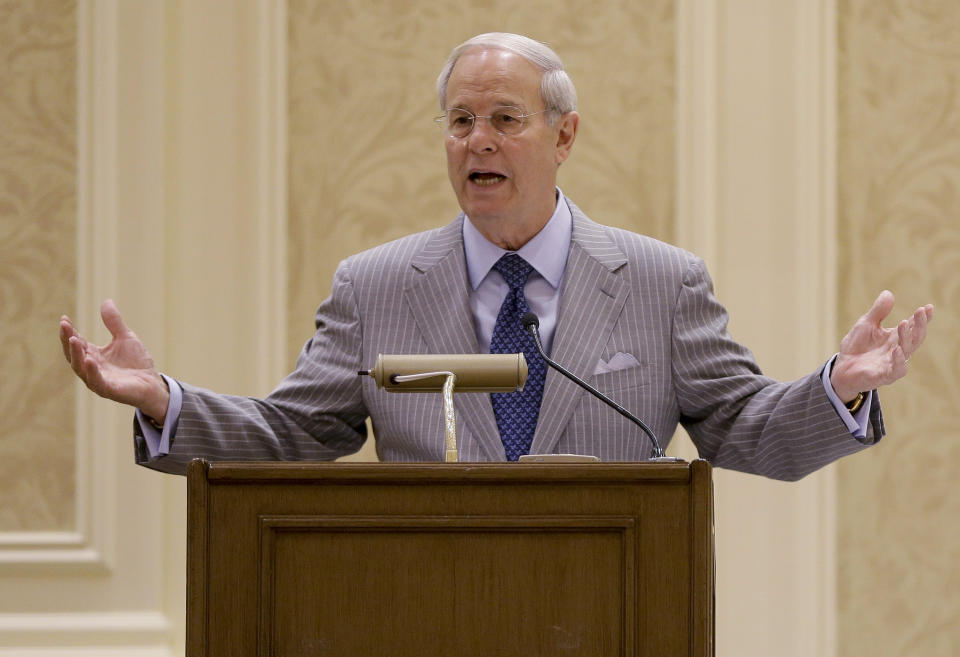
(546, 252)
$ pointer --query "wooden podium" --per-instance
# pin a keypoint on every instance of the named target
(417, 560)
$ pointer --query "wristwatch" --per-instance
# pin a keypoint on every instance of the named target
(854, 404)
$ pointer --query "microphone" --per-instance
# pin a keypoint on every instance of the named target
(531, 324)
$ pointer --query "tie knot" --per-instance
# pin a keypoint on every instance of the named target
(514, 269)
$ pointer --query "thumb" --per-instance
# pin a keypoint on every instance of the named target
(881, 308)
(112, 319)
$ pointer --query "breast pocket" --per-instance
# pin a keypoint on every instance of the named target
(643, 390)
(625, 379)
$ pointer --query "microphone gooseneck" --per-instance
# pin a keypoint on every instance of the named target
(531, 324)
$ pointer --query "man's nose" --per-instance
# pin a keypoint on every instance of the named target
(483, 138)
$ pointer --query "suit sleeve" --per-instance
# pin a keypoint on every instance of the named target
(316, 413)
(738, 418)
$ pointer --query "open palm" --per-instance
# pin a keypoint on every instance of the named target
(871, 355)
(121, 370)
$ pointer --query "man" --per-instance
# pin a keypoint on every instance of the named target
(634, 316)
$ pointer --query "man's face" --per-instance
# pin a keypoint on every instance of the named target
(505, 184)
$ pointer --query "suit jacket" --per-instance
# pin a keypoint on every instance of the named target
(621, 293)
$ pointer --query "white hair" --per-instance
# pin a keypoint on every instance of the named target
(556, 88)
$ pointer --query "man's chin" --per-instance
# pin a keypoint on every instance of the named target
(485, 213)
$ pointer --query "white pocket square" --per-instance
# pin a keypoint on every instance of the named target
(619, 361)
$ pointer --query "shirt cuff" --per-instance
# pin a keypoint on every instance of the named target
(856, 424)
(158, 441)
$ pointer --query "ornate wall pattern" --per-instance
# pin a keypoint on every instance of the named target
(366, 162)
(37, 261)
(899, 157)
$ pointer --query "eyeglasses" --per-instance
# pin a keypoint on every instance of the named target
(508, 121)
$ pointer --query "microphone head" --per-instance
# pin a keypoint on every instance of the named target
(529, 319)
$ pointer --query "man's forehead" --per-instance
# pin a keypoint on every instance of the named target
(506, 76)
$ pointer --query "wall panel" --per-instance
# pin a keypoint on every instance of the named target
(38, 176)
(899, 183)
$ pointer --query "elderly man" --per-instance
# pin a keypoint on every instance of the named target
(634, 316)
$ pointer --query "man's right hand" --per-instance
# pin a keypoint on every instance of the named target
(122, 370)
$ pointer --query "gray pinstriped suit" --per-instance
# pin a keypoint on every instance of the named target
(622, 292)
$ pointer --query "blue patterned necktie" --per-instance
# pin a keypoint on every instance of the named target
(516, 412)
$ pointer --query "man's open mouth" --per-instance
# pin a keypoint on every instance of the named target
(486, 178)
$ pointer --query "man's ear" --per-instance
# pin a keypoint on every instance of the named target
(566, 134)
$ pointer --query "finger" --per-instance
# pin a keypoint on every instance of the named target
(881, 308)
(85, 362)
(66, 331)
(93, 376)
(920, 319)
(112, 319)
(916, 332)
(898, 364)
(904, 335)
(77, 356)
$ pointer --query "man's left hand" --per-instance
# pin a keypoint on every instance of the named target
(872, 356)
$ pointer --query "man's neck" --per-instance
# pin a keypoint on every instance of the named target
(510, 234)
(546, 251)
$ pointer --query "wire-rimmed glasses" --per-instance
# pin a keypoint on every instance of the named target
(508, 121)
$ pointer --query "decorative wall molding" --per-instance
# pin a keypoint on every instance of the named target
(136, 633)
(38, 153)
(271, 95)
(50, 552)
(816, 242)
(697, 107)
(88, 548)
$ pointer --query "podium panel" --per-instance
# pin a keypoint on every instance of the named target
(449, 559)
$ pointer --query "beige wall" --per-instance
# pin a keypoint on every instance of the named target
(251, 145)
(899, 155)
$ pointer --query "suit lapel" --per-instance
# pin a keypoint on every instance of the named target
(439, 301)
(590, 302)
